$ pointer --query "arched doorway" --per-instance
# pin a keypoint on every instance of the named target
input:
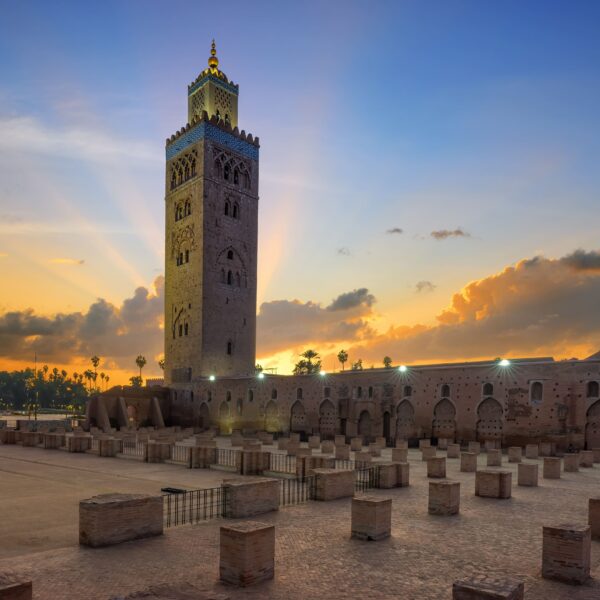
(271, 417)
(224, 419)
(490, 420)
(327, 419)
(132, 416)
(364, 425)
(405, 421)
(444, 420)
(592, 427)
(386, 425)
(297, 417)
(204, 416)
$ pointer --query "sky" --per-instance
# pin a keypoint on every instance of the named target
(429, 181)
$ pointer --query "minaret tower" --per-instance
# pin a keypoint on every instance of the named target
(211, 203)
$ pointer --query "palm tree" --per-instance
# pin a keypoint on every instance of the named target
(106, 380)
(161, 363)
(95, 362)
(342, 357)
(140, 361)
(89, 375)
(358, 366)
(387, 362)
(306, 366)
(102, 376)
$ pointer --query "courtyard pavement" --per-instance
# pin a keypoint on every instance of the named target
(315, 556)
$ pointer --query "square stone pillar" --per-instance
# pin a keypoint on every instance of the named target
(491, 445)
(255, 445)
(586, 458)
(515, 454)
(387, 475)
(566, 553)
(596, 452)
(475, 447)
(551, 467)
(424, 443)
(547, 448)
(494, 458)
(331, 484)
(399, 454)
(108, 447)
(292, 448)
(237, 441)
(110, 519)
(444, 497)
(428, 452)
(375, 450)
(442, 444)
(493, 484)
(314, 441)
(571, 463)
(532, 451)
(339, 440)
(381, 442)
(402, 474)
(594, 517)
(327, 447)
(453, 451)
(400, 443)
(247, 553)
(295, 438)
(468, 462)
(342, 452)
(282, 443)
(78, 443)
(16, 591)
(356, 444)
(488, 588)
(363, 458)
(527, 474)
(371, 517)
(436, 467)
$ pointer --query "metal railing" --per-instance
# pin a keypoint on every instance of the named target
(194, 506)
(133, 448)
(296, 491)
(343, 463)
(282, 463)
(226, 457)
(181, 454)
(366, 479)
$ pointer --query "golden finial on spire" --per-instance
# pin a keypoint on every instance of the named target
(213, 61)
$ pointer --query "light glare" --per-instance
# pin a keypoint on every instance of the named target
(402, 368)
(261, 375)
(505, 362)
(211, 378)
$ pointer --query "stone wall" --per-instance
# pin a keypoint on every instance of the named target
(251, 496)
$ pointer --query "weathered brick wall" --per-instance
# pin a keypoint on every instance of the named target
(331, 484)
(247, 498)
(371, 517)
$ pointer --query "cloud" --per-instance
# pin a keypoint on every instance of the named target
(424, 286)
(395, 230)
(352, 299)
(284, 324)
(118, 333)
(344, 251)
(67, 261)
(444, 234)
(581, 260)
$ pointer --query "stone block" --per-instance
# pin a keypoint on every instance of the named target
(314, 441)
(52, 441)
(468, 462)
(381, 442)
(442, 444)
(204, 456)
(436, 467)
(331, 484)
(491, 445)
(594, 517)
(547, 448)
(424, 443)
(252, 496)
(444, 497)
(327, 447)
(566, 553)
(371, 517)
(399, 454)
(255, 445)
(428, 452)
(527, 474)
(453, 451)
(22, 590)
(237, 441)
(400, 443)
(253, 462)
(339, 440)
(342, 452)
(8, 436)
(571, 463)
(282, 443)
(488, 588)
(374, 450)
(247, 553)
(387, 475)
(596, 452)
(108, 447)
(494, 458)
(356, 444)
(532, 451)
(295, 438)
(363, 458)
(493, 484)
(474, 447)
(586, 459)
(551, 467)
(402, 474)
(110, 519)
(515, 454)
(78, 443)
(292, 448)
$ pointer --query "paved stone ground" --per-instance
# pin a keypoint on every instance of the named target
(315, 556)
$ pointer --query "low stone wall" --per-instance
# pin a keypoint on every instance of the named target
(254, 497)
(331, 484)
(114, 518)
(493, 484)
(204, 456)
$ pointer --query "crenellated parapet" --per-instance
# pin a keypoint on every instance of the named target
(216, 129)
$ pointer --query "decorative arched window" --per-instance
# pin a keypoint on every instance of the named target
(370, 391)
(236, 176)
(227, 208)
(229, 278)
(226, 118)
(187, 256)
(239, 406)
(407, 390)
(488, 389)
(191, 396)
(226, 172)
(188, 208)
(185, 329)
(359, 392)
(230, 347)
(222, 275)
(180, 329)
(236, 211)
(327, 392)
(250, 395)
(273, 394)
(537, 391)
(229, 254)
(228, 396)
(593, 389)
(445, 390)
(238, 281)
(299, 394)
